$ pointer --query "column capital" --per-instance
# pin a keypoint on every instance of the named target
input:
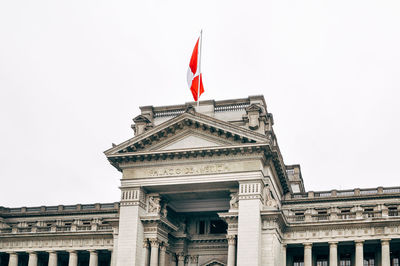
(12, 253)
(73, 251)
(146, 243)
(231, 239)
(307, 245)
(181, 256)
(155, 243)
(163, 247)
(194, 258)
(333, 243)
(52, 251)
(92, 251)
(385, 241)
(359, 242)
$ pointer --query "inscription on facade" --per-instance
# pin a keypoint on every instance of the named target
(189, 170)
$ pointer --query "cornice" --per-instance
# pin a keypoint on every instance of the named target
(195, 120)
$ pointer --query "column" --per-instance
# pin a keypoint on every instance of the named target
(93, 259)
(33, 259)
(359, 252)
(13, 261)
(333, 254)
(231, 250)
(194, 259)
(385, 252)
(52, 258)
(307, 254)
(146, 252)
(181, 259)
(154, 252)
(73, 258)
(163, 250)
(284, 254)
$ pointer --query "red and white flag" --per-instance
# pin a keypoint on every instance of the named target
(194, 77)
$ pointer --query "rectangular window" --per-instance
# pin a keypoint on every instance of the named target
(322, 261)
(345, 260)
(202, 227)
(298, 261)
(218, 227)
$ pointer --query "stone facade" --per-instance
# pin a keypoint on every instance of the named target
(207, 185)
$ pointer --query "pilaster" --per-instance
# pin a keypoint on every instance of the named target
(130, 237)
(249, 223)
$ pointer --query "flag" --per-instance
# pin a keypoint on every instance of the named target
(194, 77)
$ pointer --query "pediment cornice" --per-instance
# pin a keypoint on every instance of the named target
(188, 120)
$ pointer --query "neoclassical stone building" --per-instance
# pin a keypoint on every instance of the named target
(207, 185)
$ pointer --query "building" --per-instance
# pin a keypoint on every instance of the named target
(207, 185)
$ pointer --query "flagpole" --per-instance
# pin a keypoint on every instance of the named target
(198, 88)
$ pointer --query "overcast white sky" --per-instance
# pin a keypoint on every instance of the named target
(74, 73)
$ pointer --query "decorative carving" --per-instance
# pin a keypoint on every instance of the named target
(253, 116)
(164, 211)
(234, 202)
(155, 243)
(231, 239)
(142, 123)
(190, 109)
(269, 199)
(154, 205)
(180, 256)
(194, 258)
(146, 243)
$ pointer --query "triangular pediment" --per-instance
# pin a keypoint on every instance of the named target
(188, 130)
(214, 263)
(190, 138)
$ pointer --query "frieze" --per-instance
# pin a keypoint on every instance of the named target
(343, 233)
(57, 244)
(188, 170)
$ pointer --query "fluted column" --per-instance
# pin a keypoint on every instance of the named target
(385, 252)
(146, 252)
(93, 259)
(231, 250)
(333, 254)
(284, 254)
(181, 259)
(194, 259)
(308, 254)
(33, 259)
(154, 252)
(163, 250)
(13, 260)
(52, 258)
(73, 258)
(359, 252)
